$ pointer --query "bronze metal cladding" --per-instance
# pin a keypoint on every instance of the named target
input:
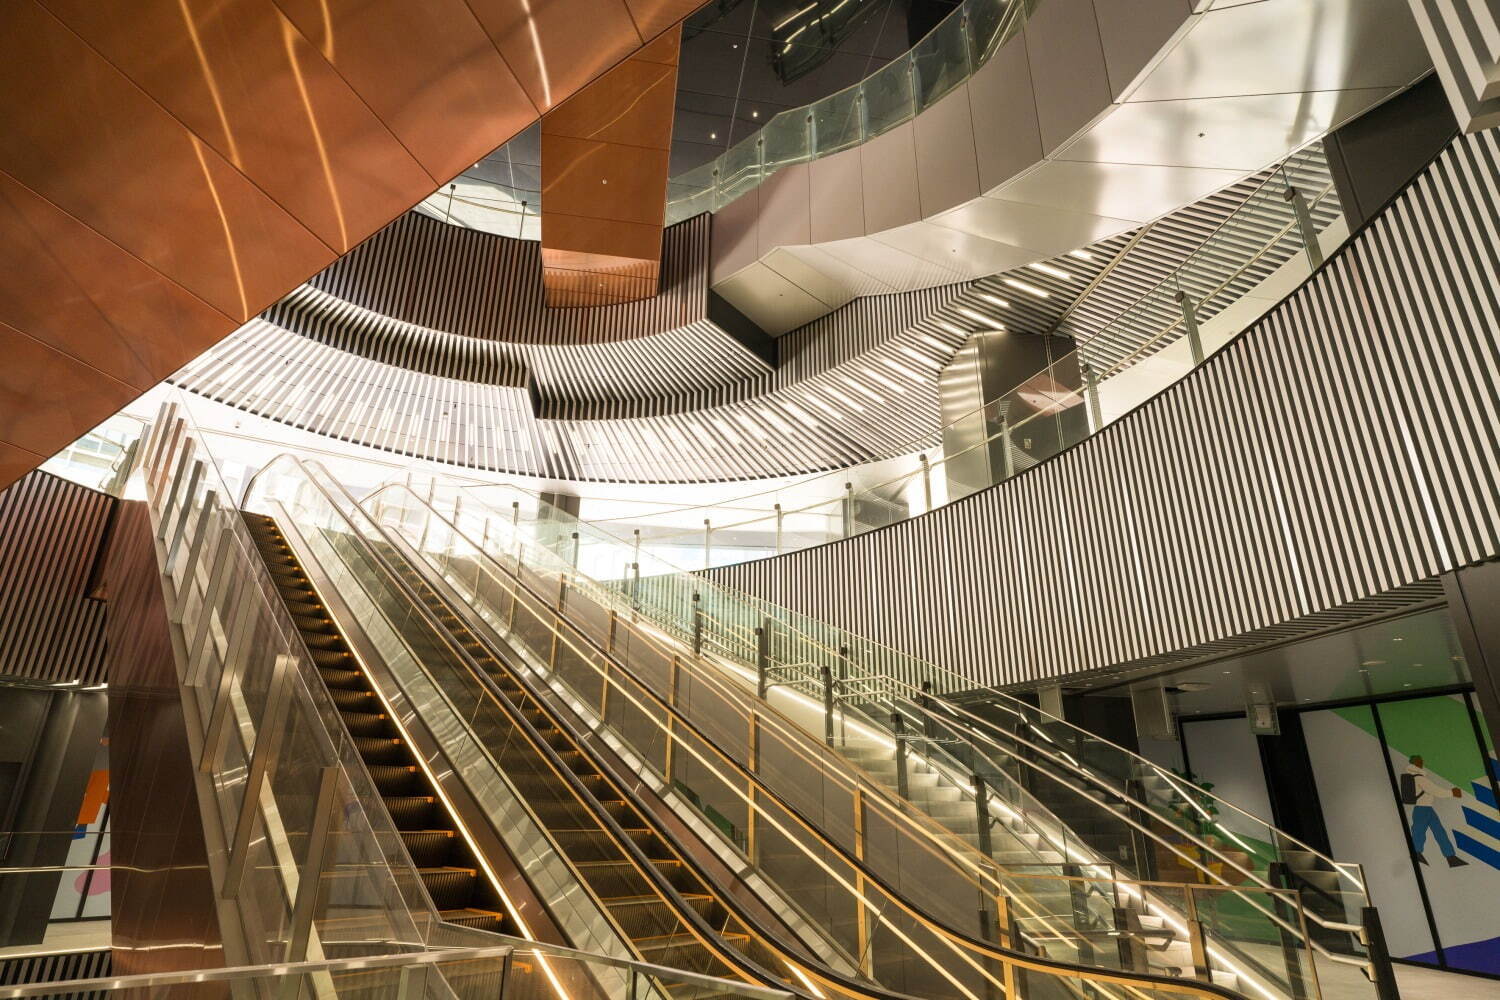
(605, 155)
(169, 168)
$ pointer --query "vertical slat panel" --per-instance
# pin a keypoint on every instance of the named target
(50, 534)
(1345, 445)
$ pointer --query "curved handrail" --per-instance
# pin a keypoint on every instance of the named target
(960, 43)
(833, 980)
(1018, 708)
(685, 725)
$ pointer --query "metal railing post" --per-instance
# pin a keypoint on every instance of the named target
(848, 510)
(1305, 225)
(982, 815)
(1197, 946)
(697, 626)
(898, 729)
(778, 529)
(1091, 394)
(926, 482)
(1380, 957)
(1278, 875)
(1190, 325)
(762, 658)
(827, 704)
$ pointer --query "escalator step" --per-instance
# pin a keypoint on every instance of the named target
(366, 723)
(353, 699)
(429, 848)
(395, 779)
(484, 920)
(380, 750)
(328, 641)
(412, 812)
(450, 888)
(336, 662)
(312, 623)
(311, 608)
(339, 674)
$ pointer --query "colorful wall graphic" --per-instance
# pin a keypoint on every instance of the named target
(84, 895)
(1408, 789)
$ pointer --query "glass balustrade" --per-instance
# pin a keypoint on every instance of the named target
(896, 93)
(893, 940)
(1188, 314)
(740, 764)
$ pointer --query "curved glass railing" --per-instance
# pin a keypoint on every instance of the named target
(1051, 884)
(1178, 322)
(100, 459)
(955, 965)
(1140, 816)
(896, 93)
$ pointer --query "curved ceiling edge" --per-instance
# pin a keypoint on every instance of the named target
(1087, 123)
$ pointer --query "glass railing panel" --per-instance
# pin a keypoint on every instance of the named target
(740, 170)
(786, 139)
(838, 121)
(940, 61)
(1118, 838)
(888, 96)
(723, 806)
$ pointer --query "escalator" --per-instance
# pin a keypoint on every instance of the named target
(1028, 792)
(653, 881)
(447, 865)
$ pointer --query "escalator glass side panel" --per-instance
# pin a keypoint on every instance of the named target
(529, 620)
(447, 866)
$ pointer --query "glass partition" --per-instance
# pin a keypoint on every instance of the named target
(784, 801)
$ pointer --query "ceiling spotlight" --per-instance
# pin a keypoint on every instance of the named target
(755, 114)
(1030, 289)
(1056, 272)
(713, 135)
(1081, 254)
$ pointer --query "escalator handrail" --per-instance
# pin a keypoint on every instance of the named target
(1342, 868)
(682, 910)
(1087, 776)
(984, 948)
(731, 957)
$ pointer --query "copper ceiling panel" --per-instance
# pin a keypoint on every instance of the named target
(605, 157)
(557, 46)
(168, 168)
(70, 288)
(16, 462)
(80, 135)
(241, 77)
(46, 396)
(427, 69)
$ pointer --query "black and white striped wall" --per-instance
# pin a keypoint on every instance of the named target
(1346, 444)
(51, 533)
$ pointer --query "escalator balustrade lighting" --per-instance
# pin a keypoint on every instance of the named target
(448, 866)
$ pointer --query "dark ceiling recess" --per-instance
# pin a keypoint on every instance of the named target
(729, 83)
(924, 15)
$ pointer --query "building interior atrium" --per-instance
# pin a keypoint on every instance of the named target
(750, 499)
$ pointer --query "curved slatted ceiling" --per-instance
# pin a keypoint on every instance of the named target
(440, 379)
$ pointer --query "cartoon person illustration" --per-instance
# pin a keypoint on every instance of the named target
(1419, 791)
